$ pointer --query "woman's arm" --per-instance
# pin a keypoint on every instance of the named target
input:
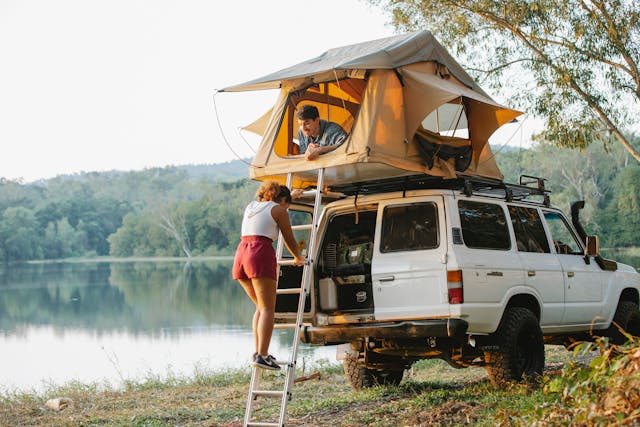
(281, 216)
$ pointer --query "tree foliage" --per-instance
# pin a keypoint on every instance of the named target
(173, 211)
(596, 175)
(162, 213)
(622, 213)
(572, 62)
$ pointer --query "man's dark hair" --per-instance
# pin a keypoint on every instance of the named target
(307, 112)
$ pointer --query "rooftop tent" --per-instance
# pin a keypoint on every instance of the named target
(407, 105)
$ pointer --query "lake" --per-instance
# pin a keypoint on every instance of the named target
(109, 322)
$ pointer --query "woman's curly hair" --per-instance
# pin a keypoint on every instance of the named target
(272, 191)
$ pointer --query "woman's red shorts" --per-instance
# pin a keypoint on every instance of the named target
(255, 257)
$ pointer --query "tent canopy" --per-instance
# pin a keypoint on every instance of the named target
(404, 101)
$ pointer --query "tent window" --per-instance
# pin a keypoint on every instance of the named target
(449, 119)
(338, 102)
(444, 136)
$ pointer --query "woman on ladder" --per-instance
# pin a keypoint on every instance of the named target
(255, 263)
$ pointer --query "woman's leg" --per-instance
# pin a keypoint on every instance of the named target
(265, 291)
(248, 288)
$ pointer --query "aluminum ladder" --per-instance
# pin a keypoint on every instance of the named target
(289, 365)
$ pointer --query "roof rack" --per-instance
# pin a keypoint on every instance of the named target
(467, 184)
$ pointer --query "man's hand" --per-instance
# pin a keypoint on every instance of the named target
(313, 151)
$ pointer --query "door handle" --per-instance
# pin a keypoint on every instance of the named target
(531, 273)
(570, 274)
(495, 273)
(387, 279)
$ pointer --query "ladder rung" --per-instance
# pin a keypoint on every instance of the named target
(288, 291)
(302, 227)
(285, 326)
(269, 393)
(302, 291)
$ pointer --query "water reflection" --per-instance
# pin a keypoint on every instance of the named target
(622, 256)
(130, 296)
(113, 321)
(95, 321)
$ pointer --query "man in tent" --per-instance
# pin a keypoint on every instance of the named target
(317, 136)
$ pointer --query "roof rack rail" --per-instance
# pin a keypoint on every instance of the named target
(528, 179)
(469, 185)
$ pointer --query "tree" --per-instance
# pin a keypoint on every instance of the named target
(60, 240)
(19, 234)
(622, 215)
(581, 54)
(206, 225)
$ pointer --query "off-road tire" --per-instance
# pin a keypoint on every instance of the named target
(360, 377)
(520, 354)
(627, 316)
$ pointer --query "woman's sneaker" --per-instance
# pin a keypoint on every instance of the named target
(266, 362)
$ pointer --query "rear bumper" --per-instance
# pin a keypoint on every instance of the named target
(336, 334)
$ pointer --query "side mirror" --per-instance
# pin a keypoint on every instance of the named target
(592, 246)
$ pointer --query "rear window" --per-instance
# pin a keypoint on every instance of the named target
(484, 225)
(409, 227)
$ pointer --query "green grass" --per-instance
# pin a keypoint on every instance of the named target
(432, 393)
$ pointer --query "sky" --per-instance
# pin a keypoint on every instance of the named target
(98, 85)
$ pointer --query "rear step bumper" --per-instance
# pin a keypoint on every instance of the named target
(336, 334)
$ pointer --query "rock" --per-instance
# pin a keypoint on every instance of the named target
(59, 403)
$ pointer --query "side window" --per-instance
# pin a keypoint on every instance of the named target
(409, 227)
(484, 225)
(529, 231)
(564, 240)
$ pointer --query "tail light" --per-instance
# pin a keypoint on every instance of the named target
(454, 287)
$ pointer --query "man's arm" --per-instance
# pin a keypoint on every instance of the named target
(335, 136)
(315, 150)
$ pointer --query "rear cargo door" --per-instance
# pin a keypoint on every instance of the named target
(409, 258)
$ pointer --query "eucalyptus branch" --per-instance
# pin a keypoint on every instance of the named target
(500, 67)
(611, 29)
(554, 50)
(572, 83)
(591, 55)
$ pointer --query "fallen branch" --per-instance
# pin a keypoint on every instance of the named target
(315, 375)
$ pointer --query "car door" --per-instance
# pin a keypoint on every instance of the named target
(409, 261)
(543, 270)
(582, 278)
(490, 264)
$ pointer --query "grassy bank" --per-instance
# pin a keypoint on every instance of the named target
(432, 394)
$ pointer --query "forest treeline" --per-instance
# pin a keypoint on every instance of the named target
(196, 210)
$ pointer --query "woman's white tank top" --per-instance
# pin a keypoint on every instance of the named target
(257, 220)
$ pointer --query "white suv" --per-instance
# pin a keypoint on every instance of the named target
(471, 271)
